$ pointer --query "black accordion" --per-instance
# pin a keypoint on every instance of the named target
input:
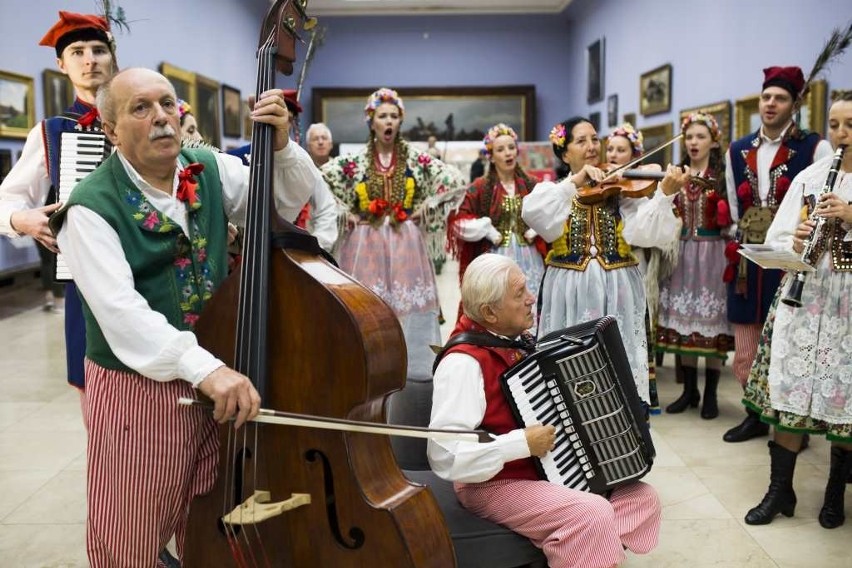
(579, 380)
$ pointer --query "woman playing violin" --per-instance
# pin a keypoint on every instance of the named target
(693, 301)
(591, 270)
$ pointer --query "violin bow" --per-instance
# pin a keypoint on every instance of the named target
(636, 161)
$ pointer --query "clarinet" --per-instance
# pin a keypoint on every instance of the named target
(794, 293)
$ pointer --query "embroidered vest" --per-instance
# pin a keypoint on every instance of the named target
(697, 207)
(174, 272)
(592, 231)
(831, 238)
(498, 417)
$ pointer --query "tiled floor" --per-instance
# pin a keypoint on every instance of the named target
(705, 484)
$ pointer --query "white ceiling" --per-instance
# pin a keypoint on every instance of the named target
(428, 7)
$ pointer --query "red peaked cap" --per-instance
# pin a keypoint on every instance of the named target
(789, 78)
(73, 27)
(291, 101)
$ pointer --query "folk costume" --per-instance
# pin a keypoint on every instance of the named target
(34, 181)
(498, 480)
(489, 214)
(386, 250)
(149, 260)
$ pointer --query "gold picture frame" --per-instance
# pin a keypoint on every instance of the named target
(207, 110)
(17, 105)
(182, 80)
(655, 90)
(814, 105)
(58, 92)
(746, 116)
(654, 136)
(721, 111)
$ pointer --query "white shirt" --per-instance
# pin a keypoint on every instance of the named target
(458, 401)
(765, 155)
(141, 338)
(647, 222)
(27, 184)
(323, 220)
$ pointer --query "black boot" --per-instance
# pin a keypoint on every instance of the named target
(690, 395)
(678, 370)
(710, 407)
(749, 428)
(832, 516)
(780, 497)
(658, 358)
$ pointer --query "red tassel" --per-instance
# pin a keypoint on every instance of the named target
(723, 213)
(728, 275)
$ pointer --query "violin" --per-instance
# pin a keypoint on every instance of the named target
(632, 182)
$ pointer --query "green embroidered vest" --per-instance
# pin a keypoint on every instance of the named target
(176, 274)
(592, 231)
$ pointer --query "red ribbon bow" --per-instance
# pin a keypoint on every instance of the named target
(187, 184)
(378, 207)
(89, 118)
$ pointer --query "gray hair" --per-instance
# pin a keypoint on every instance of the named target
(104, 102)
(318, 126)
(485, 282)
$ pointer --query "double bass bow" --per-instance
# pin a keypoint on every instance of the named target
(314, 342)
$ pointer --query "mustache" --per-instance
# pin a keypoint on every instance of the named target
(161, 132)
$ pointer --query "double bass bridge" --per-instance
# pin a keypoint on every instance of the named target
(258, 508)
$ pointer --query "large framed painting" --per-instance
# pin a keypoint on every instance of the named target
(17, 105)
(655, 90)
(746, 116)
(813, 112)
(595, 68)
(448, 113)
(58, 92)
(206, 109)
(231, 112)
(182, 80)
(721, 111)
(654, 136)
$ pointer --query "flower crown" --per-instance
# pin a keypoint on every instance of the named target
(634, 136)
(558, 135)
(380, 97)
(183, 107)
(702, 118)
(495, 132)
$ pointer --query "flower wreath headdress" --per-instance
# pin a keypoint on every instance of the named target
(376, 99)
(183, 107)
(702, 118)
(634, 136)
(495, 132)
(558, 136)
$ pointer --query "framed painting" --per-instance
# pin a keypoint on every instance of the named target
(595, 119)
(655, 90)
(182, 80)
(746, 116)
(812, 114)
(58, 92)
(17, 105)
(206, 110)
(612, 110)
(448, 113)
(231, 112)
(595, 61)
(721, 111)
(629, 117)
(654, 136)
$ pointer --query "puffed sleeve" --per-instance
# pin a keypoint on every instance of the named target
(547, 207)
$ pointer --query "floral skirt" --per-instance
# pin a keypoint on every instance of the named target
(393, 263)
(758, 396)
(693, 317)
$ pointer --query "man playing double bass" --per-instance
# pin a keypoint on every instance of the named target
(146, 237)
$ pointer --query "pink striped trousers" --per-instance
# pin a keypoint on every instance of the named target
(147, 459)
(573, 528)
(746, 337)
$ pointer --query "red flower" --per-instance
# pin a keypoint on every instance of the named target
(781, 187)
(723, 213)
(424, 159)
(399, 213)
(745, 195)
(349, 169)
(378, 207)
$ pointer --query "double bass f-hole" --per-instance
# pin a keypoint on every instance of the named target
(356, 534)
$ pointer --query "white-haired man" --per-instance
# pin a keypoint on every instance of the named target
(498, 481)
(320, 143)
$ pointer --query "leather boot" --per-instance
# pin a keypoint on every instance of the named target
(832, 516)
(710, 406)
(678, 370)
(690, 395)
(780, 497)
(750, 427)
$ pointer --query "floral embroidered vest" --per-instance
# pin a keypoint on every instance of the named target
(174, 272)
(592, 231)
(698, 208)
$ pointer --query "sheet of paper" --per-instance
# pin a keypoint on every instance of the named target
(767, 257)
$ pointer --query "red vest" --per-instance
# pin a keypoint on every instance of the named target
(498, 417)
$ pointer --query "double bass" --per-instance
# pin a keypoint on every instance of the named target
(313, 341)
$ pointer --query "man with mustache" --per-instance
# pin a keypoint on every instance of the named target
(758, 172)
(146, 237)
(85, 52)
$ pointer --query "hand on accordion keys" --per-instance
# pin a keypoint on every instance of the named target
(540, 438)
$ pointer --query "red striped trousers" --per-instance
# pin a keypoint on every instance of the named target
(147, 459)
(573, 528)
(746, 338)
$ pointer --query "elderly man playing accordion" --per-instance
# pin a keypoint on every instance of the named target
(499, 481)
